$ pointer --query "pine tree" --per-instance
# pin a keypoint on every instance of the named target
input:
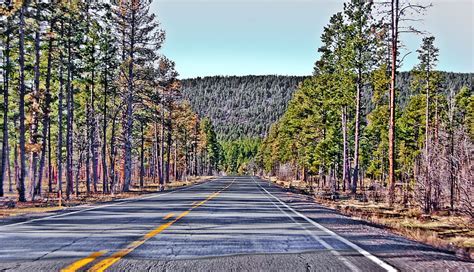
(361, 44)
(6, 89)
(108, 64)
(398, 11)
(46, 122)
(141, 38)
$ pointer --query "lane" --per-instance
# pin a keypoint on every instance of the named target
(53, 243)
(117, 256)
(244, 229)
(239, 225)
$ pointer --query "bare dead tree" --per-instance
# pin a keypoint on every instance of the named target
(402, 14)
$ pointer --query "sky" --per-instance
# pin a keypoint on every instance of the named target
(260, 37)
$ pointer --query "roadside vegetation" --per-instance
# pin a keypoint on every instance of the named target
(442, 229)
(401, 161)
(338, 143)
(90, 107)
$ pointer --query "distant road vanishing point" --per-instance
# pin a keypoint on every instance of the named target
(226, 224)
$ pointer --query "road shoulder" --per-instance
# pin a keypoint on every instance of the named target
(399, 251)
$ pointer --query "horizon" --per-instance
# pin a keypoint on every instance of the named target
(281, 75)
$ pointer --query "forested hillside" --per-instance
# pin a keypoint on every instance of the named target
(246, 106)
(241, 106)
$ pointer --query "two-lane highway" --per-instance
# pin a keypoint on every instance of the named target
(228, 224)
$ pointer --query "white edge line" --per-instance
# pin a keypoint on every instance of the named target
(103, 206)
(344, 260)
(362, 251)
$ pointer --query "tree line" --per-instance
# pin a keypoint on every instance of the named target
(243, 107)
(351, 127)
(89, 103)
(238, 156)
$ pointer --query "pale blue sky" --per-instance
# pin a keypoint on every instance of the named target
(242, 37)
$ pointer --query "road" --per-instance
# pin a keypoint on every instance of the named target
(227, 224)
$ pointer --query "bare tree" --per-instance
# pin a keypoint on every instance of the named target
(399, 11)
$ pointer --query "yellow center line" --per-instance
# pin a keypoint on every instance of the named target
(168, 216)
(107, 262)
(82, 262)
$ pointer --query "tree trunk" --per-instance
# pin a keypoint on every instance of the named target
(142, 156)
(59, 155)
(21, 62)
(168, 147)
(93, 124)
(175, 164)
(113, 152)
(69, 123)
(357, 133)
(35, 119)
(10, 183)
(79, 166)
(162, 145)
(452, 169)
(5, 158)
(105, 186)
(195, 151)
(346, 176)
(186, 157)
(17, 168)
(157, 166)
(88, 151)
(129, 110)
(427, 146)
(50, 165)
(46, 119)
(391, 130)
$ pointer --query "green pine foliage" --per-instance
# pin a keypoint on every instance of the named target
(240, 106)
(238, 157)
(246, 106)
(433, 121)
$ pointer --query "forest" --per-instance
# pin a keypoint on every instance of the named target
(240, 106)
(90, 105)
(243, 108)
(225, 98)
(111, 160)
(360, 127)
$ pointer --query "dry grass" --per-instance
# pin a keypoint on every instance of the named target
(454, 233)
(21, 210)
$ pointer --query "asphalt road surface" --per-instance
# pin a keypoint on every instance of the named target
(228, 224)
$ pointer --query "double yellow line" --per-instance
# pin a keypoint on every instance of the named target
(107, 262)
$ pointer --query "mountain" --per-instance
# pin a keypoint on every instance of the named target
(241, 106)
(246, 106)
